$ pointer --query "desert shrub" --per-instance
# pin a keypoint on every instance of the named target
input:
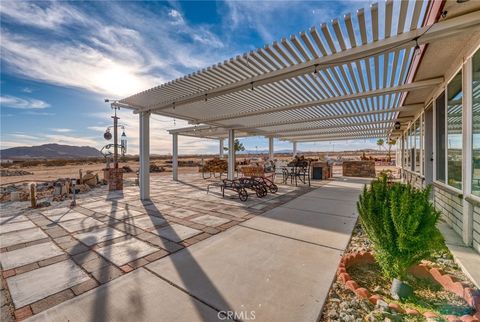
(400, 221)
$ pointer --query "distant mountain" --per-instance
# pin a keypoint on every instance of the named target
(262, 151)
(49, 151)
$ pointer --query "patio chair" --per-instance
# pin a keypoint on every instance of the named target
(298, 172)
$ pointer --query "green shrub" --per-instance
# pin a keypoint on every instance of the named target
(400, 221)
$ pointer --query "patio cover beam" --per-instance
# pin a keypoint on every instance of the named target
(281, 133)
(421, 35)
(395, 89)
(405, 108)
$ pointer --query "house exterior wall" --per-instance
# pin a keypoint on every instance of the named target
(460, 207)
(476, 227)
(450, 204)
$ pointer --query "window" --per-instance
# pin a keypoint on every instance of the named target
(440, 137)
(476, 124)
(417, 145)
(454, 131)
(423, 144)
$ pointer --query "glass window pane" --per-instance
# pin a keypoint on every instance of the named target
(440, 137)
(417, 145)
(454, 131)
(423, 143)
(476, 124)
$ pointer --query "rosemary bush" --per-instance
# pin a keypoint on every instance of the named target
(400, 221)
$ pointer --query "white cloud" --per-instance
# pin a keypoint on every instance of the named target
(42, 15)
(62, 130)
(22, 103)
(118, 58)
(38, 113)
(27, 90)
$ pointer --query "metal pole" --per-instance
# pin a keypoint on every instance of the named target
(115, 138)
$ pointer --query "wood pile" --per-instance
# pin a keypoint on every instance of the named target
(156, 168)
(216, 165)
(12, 173)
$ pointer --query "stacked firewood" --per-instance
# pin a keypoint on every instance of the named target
(215, 165)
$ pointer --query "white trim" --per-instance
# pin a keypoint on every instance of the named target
(460, 192)
(467, 116)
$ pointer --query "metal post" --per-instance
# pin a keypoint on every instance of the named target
(115, 138)
(175, 156)
(231, 154)
(294, 150)
(220, 152)
(270, 148)
(144, 175)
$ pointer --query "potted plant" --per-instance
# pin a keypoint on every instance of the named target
(401, 222)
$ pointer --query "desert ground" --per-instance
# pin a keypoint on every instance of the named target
(46, 171)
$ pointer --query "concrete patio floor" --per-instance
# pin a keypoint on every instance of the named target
(178, 257)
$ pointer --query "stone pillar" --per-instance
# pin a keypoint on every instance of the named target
(294, 149)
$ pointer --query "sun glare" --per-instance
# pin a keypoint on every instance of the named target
(120, 81)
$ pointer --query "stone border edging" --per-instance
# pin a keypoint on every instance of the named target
(470, 295)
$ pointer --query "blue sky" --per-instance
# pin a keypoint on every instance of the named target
(59, 60)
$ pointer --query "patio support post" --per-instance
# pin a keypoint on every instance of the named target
(294, 149)
(270, 148)
(467, 116)
(175, 156)
(220, 151)
(144, 175)
(231, 154)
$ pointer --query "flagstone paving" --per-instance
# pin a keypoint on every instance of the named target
(80, 224)
(21, 237)
(16, 226)
(66, 216)
(51, 255)
(28, 255)
(127, 251)
(208, 220)
(177, 232)
(32, 286)
(98, 235)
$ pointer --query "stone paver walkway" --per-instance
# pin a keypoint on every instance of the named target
(109, 235)
(276, 264)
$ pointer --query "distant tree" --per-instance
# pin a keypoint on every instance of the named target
(391, 142)
(380, 143)
(237, 146)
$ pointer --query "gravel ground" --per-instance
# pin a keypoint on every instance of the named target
(343, 305)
